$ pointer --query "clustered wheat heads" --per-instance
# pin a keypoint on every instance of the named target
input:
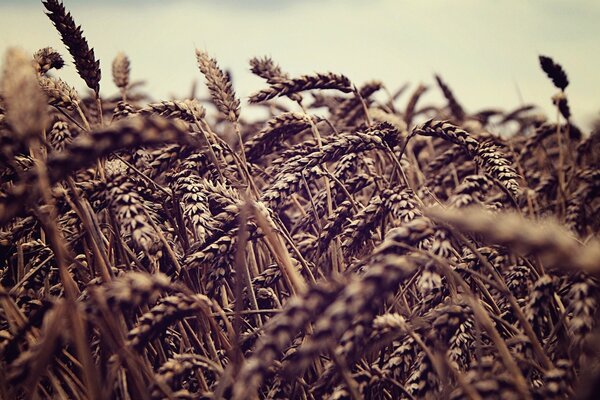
(348, 245)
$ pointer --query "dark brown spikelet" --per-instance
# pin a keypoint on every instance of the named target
(584, 302)
(561, 101)
(219, 86)
(72, 36)
(334, 225)
(46, 59)
(350, 110)
(537, 306)
(470, 191)
(554, 72)
(284, 87)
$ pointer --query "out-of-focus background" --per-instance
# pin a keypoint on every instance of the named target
(486, 50)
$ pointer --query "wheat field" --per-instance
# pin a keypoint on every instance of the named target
(357, 243)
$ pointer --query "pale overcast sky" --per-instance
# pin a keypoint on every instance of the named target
(485, 49)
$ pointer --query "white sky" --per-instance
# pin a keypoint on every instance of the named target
(486, 50)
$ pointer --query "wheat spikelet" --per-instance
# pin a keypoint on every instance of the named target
(132, 216)
(454, 154)
(286, 183)
(449, 132)
(268, 140)
(120, 71)
(584, 305)
(400, 359)
(556, 381)
(219, 86)
(60, 135)
(59, 93)
(562, 103)
(284, 87)
(72, 36)
(381, 137)
(47, 58)
(364, 223)
(498, 166)
(334, 226)
(458, 349)
(487, 381)
(267, 69)
(123, 110)
(187, 110)
(486, 154)
(471, 191)
(210, 253)
(555, 72)
(350, 110)
(585, 155)
(168, 310)
(541, 293)
(195, 210)
(590, 181)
